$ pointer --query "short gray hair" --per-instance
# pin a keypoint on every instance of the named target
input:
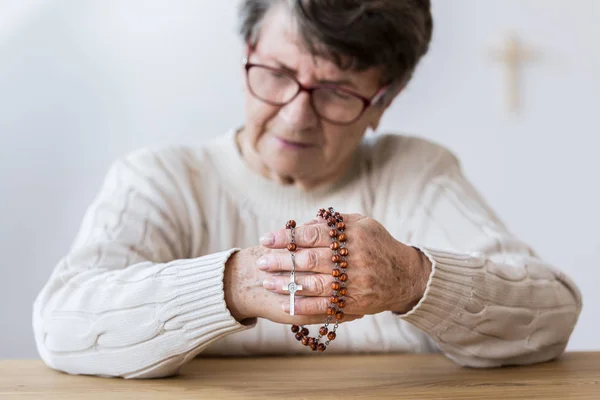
(355, 34)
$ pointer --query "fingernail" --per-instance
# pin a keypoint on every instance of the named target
(267, 239)
(263, 263)
(270, 285)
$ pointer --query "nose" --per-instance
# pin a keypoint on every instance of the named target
(299, 113)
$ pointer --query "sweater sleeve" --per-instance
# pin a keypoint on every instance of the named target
(128, 300)
(490, 300)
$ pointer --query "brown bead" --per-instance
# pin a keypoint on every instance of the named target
(334, 299)
(323, 331)
(333, 233)
(330, 221)
(343, 264)
(321, 347)
(343, 291)
(311, 341)
(295, 328)
(336, 258)
(336, 285)
(326, 214)
(305, 340)
(305, 331)
(331, 336)
(299, 336)
(342, 237)
(334, 246)
(341, 303)
(335, 273)
(343, 277)
(331, 311)
(313, 346)
(292, 247)
(290, 224)
(344, 252)
(339, 315)
(341, 226)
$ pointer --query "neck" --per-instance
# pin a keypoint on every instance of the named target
(253, 160)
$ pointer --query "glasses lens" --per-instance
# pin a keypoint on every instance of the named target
(336, 105)
(271, 85)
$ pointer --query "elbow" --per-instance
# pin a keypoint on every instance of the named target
(75, 345)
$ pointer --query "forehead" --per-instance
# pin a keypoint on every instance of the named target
(280, 41)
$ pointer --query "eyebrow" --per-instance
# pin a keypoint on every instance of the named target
(339, 82)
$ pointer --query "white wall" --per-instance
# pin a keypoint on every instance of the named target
(82, 82)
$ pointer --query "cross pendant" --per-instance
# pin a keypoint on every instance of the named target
(292, 287)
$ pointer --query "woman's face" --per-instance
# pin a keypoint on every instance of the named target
(291, 143)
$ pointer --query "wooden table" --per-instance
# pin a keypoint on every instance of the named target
(573, 376)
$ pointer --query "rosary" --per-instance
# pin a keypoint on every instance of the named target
(337, 245)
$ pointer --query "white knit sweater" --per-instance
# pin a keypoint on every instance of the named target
(140, 292)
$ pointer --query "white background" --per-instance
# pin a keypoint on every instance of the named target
(82, 82)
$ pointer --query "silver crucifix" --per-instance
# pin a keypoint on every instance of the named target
(292, 287)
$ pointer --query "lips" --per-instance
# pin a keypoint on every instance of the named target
(294, 144)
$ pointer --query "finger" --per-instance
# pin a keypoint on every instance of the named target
(315, 235)
(311, 306)
(312, 285)
(316, 260)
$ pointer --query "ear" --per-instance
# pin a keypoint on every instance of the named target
(392, 94)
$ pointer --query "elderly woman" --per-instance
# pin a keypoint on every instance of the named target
(188, 250)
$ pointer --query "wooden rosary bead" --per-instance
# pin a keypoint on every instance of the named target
(335, 221)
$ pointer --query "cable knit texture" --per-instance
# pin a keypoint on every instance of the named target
(140, 292)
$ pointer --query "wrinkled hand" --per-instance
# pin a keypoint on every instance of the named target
(246, 296)
(384, 274)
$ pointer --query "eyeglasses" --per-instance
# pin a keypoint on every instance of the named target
(330, 102)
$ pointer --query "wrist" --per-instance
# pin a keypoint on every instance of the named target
(231, 287)
(419, 270)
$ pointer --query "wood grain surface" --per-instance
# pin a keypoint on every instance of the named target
(398, 376)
